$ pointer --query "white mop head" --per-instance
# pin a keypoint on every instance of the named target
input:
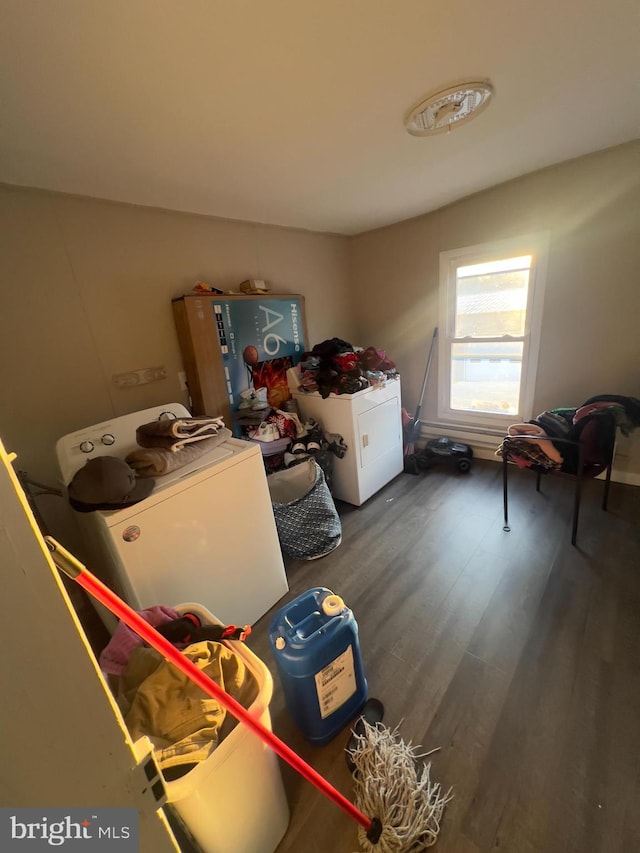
(388, 785)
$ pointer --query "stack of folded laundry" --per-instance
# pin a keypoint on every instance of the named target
(168, 445)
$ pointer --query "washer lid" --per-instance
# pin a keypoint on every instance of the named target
(222, 457)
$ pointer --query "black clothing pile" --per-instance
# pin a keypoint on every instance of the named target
(336, 367)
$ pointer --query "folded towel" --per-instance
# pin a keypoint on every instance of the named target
(177, 433)
(535, 434)
(156, 461)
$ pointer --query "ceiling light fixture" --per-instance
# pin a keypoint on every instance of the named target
(448, 108)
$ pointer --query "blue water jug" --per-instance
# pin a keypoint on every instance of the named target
(314, 640)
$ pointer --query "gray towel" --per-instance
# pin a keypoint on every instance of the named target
(156, 461)
(177, 433)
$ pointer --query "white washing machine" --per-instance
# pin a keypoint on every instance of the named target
(205, 534)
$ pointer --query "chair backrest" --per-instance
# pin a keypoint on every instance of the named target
(596, 433)
(590, 429)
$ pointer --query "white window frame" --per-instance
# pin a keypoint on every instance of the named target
(536, 245)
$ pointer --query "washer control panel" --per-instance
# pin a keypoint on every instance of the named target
(116, 437)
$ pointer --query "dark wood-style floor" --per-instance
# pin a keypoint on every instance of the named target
(515, 653)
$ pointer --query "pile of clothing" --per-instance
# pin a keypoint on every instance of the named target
(170, 444)
(261, 422)
(284, 437)
(542, 443)
(337, 367)
(331, 367)
(158, 700)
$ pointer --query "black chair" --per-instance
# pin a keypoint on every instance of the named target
(587, 449)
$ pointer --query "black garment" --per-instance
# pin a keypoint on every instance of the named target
(331, 347)
(330, 377)
(597, 434)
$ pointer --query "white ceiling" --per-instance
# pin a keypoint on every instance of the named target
(290, 112)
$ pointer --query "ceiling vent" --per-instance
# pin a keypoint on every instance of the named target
(448, 108)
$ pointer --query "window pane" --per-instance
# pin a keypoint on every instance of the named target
(486, 377)
(492, 304)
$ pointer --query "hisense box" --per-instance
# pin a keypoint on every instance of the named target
(233, 343)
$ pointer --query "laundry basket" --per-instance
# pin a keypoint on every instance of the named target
(235, 799)
(306, 518)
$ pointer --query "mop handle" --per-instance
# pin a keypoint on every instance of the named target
(74, 569)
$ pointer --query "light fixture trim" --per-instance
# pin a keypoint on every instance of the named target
(449, 108)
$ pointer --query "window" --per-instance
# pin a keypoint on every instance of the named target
(490, 316)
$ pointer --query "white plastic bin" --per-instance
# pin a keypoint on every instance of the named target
(234, 802)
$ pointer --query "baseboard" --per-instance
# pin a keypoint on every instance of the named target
(487, 439)
(627, 478)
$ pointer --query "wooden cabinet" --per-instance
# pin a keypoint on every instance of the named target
(371, 426)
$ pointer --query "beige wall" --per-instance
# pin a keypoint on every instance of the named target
(591, 207)
(87, 289)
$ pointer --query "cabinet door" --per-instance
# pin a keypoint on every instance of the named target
(379, 432)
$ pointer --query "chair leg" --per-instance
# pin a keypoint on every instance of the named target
(576, 510)
(576, 503)
(505, 464)
(607, 483)
(538, 476)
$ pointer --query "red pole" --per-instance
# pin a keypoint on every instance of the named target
(76, 570)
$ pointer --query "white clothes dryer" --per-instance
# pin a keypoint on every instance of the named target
(205, 534)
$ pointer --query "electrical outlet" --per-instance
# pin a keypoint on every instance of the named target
(153, 374)
(139, 377)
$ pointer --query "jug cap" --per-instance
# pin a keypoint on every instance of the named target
(332, 605)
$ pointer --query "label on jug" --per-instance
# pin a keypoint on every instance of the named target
(336, 683)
